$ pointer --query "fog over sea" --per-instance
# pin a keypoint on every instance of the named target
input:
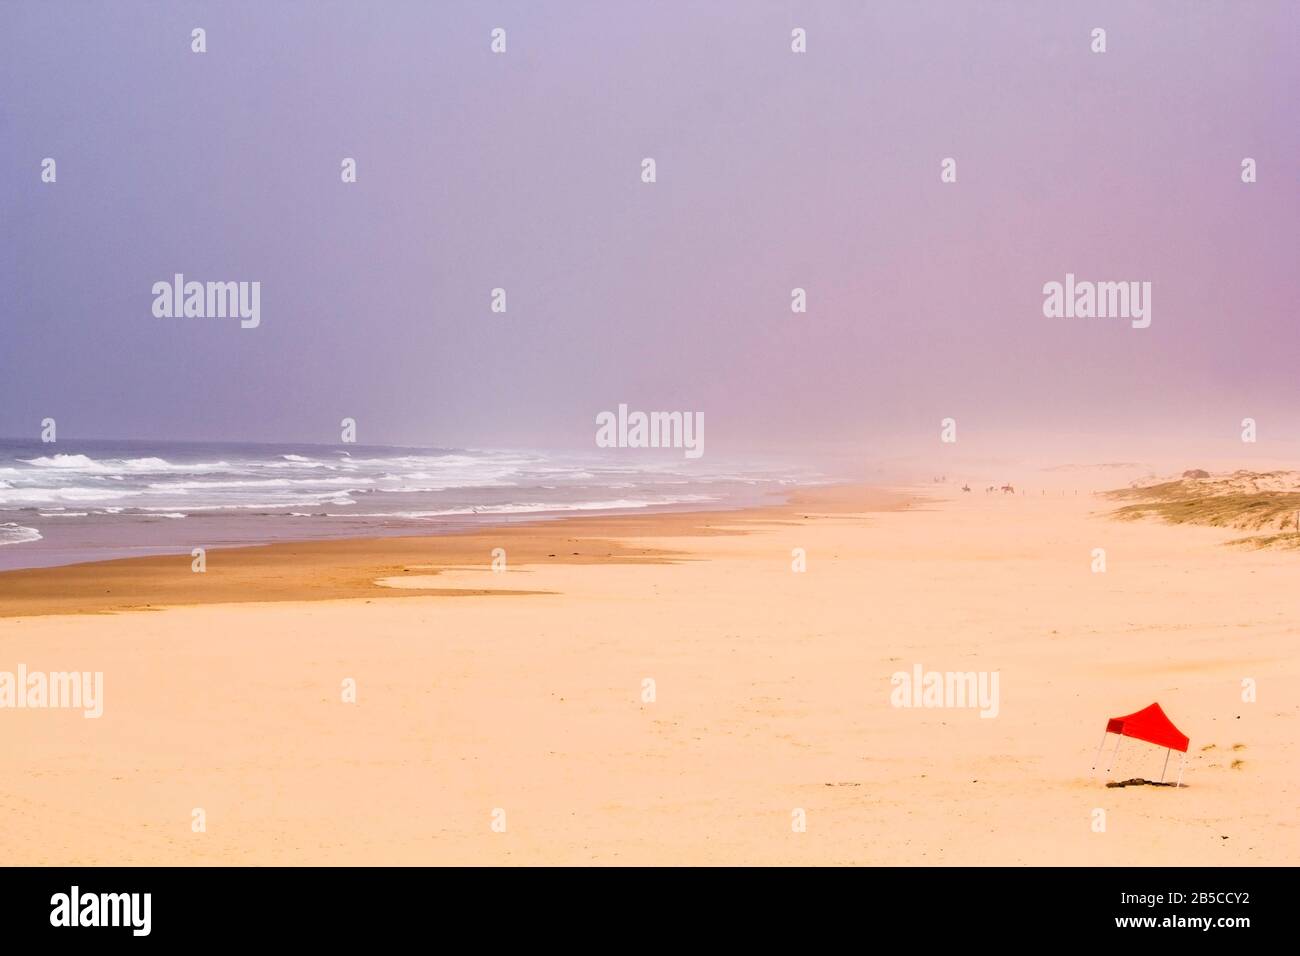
(75, 501)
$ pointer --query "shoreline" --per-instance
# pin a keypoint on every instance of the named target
(82, 502)
(324, 569)
(303, 530)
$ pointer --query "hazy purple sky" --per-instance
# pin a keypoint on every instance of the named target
(521, 170)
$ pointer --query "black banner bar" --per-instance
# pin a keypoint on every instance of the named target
(177, 905)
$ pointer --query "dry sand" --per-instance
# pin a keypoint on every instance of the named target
(523, 691)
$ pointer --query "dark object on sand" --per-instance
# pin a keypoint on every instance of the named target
(1139, 782)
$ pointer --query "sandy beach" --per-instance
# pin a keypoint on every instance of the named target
(519, 697)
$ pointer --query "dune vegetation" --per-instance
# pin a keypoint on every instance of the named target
(1266, 502)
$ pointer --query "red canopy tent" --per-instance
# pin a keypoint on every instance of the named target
(1149, 724)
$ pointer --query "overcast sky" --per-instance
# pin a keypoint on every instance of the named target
(522, 170)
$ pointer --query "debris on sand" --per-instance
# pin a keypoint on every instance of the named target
(1139, 782)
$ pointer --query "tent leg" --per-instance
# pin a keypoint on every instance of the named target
(1166, 766)
(1119, 739)
(1097, 759)
(1181, 764)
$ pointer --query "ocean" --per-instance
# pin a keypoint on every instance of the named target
(93, 500)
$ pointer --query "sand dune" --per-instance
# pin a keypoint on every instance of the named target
(1263, 502)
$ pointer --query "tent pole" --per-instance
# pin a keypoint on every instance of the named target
(1119, 739)
(1181, 764)
(1097, 759)
(1166, 766)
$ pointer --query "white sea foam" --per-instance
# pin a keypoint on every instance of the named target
(534, 507)
(118, 466)
(330, 498)
(254, 483)
(298, 462)
(11, 533)
(79, 462)
(20, 497)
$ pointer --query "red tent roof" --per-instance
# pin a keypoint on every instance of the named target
(1149, 724)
